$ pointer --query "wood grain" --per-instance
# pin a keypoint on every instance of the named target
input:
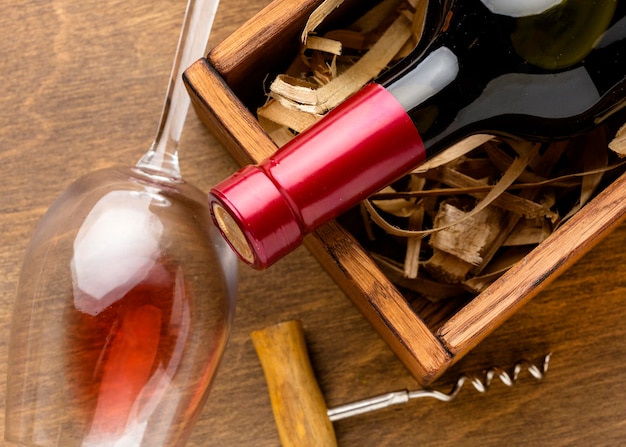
(83, 84)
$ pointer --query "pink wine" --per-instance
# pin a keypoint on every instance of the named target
(123, 352)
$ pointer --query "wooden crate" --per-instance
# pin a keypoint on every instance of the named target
(226, 86)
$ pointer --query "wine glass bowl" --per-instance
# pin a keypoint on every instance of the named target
(123, 310)
(125, 299)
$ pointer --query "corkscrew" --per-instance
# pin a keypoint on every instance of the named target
(480, 384)
(300, 412)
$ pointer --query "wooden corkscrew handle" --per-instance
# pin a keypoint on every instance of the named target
(297, 401)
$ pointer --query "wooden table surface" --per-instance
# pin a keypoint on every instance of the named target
(82, 88)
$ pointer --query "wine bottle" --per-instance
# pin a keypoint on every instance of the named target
(533, 69)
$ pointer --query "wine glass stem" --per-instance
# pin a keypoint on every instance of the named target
(163, 155)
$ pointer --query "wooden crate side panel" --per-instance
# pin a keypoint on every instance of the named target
(225, 116)
(256, 39)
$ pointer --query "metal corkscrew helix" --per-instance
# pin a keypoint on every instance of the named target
(480, 384)
(300, 412)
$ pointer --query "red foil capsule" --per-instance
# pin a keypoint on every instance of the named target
(364, 144)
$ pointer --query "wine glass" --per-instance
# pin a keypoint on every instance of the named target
(125, 299)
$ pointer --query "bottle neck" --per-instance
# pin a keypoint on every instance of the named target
(547, 75)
